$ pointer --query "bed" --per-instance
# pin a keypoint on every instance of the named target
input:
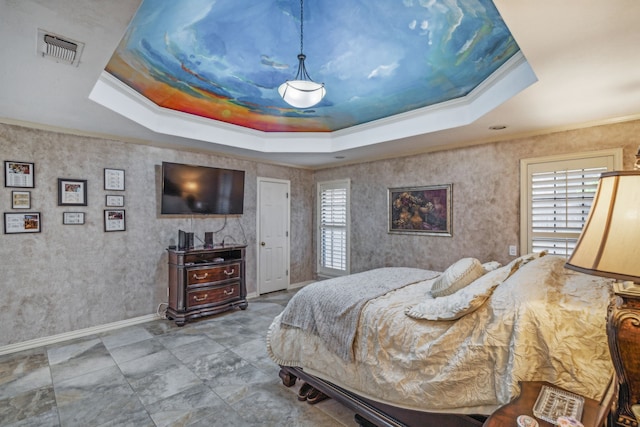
(447, 349)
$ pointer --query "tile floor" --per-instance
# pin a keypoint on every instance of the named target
(211, 372)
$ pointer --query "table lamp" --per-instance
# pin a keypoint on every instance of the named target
(609, 246)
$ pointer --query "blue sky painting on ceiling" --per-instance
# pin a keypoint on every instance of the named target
(224, 59)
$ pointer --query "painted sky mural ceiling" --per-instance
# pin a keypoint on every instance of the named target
(224, 59)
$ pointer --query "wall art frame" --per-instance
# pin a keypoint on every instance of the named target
(72, 192)
(425, 210)
(23, 222)
(21, 200)
(114, 179)
(19, 174)
(114, 220)
(73, 218)
(114, 201)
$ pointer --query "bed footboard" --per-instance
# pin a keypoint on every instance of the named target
(381, 415)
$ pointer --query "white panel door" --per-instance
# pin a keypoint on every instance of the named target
(273, 235)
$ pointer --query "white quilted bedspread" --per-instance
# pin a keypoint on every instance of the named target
(543, 323)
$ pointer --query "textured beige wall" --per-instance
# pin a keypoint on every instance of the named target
(486, 196)
(72, 277)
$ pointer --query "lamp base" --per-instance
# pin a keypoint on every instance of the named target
(627, 288)
(623, 330)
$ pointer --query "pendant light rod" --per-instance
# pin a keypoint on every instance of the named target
(301, 27)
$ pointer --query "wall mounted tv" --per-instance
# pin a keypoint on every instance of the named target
(191, 189)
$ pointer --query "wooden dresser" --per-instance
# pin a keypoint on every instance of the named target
(203, 282)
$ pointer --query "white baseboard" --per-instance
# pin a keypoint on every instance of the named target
(291, 286)
(301, 284)
(52, 339)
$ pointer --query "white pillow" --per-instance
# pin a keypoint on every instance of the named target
(461, 303)
(457, 276)
(523, 260)
(491, 265)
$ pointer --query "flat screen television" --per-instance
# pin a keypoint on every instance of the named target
(191, 189)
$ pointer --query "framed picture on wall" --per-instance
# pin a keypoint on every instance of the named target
(114, 220)
(21, 200)
(19, 174)
(28, 222)
(73, 218)
(72, 192)
(114, 179)
(421, 210)
(114, 201)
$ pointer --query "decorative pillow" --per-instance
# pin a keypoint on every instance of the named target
(457, 276)
(462, 302)
(523, 260)
(491, 265)
(530, 257)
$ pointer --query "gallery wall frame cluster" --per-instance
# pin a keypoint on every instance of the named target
(71, 192)
(20, 175)
(114, 219)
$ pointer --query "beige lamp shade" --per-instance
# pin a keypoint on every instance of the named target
(609, 245)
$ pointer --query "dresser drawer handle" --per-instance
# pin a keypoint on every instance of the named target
(230, 273)
(228, 292)
(195, 276)
(195, 298)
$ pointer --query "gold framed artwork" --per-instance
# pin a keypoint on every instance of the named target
(421, 210)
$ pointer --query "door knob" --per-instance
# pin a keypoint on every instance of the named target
(262, 243)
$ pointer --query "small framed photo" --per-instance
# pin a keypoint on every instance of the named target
(72, 192)
(114, 201)
(19, 174)
(114, 179)
(21, 199)
(114, 220)
(73, 218)
(15, 223)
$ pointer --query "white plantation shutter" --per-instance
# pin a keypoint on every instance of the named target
(560, 203)
(557, 195)
(333, 234)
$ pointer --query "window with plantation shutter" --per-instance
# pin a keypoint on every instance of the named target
(333, 229)
(557, 193)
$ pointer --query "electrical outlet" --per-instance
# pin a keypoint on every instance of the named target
(513, 250)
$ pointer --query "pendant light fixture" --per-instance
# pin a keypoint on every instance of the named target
(302, 92)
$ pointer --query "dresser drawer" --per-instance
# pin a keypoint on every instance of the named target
(213, 295)
(219, 273)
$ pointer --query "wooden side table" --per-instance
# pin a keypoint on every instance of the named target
(593, 415)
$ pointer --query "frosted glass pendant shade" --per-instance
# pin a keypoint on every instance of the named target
(302, 93)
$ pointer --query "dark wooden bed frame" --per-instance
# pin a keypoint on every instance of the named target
(371, 413)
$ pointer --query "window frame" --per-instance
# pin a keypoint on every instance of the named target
(610, 158)
(322, 270)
